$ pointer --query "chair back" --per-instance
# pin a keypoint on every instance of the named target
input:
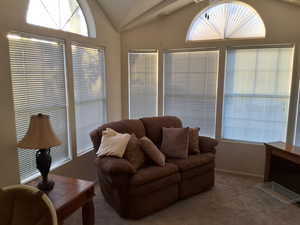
(26, 205)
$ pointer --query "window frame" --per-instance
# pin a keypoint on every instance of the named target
(87, 14)
(205, 49)
(69, 92)
(293, 118)
(294, 104)
(98, 47)
(291, 109)
(144, 51)
(70, 157)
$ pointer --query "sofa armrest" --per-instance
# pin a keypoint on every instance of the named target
(114, 166)
(114, 176)
(207, 144)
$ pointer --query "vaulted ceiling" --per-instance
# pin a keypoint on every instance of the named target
(126, 14)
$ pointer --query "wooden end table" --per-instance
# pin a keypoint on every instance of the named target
(283, 165)
(70, 194)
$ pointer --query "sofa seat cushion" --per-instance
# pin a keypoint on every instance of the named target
(152, 173)
(154, 185)
(193, 161)
(198, 171)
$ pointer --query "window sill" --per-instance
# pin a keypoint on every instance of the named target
(85, 151)
(53, 167)
(241, 142)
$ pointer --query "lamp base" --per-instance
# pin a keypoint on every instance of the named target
(46, 186)
(43, 163)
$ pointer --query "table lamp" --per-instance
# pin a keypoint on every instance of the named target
(40, 135)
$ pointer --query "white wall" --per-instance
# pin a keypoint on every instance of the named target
(169, 32)
(12, 18)
(241, 158)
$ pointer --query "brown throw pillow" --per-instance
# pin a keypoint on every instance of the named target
(133, 153)
(152, 151)
(175, 143)
(194, 140)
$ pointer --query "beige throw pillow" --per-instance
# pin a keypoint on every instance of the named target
(152, 151)
(194, 140)
(133, 153)
(113, 143)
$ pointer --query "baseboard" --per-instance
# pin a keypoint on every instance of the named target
(239, 173)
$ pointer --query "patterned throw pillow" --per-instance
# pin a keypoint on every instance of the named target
(133, 153)
(194, 140)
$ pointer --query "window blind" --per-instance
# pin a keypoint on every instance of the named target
(257, 93)
(191, 87)
(90, 93)
(226, 20)
(38, 82)
(142, 84)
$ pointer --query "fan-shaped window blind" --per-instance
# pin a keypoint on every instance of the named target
(191, 88)
(57, 14)
(38, 81)
(142, 84)
(225, 21)
(90, 97)
(257, 94)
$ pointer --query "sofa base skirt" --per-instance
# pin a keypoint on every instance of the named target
(197, 184)
(141, 206)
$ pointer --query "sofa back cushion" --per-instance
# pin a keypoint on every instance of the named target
(123, 126)
(153, 127)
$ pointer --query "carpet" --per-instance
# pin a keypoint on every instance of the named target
(233, 201)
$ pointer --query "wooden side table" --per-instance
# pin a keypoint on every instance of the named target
(70, 194)
(283, 165)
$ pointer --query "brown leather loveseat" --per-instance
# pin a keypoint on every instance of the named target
(135, 194)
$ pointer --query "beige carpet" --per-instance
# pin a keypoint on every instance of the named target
(233, 201)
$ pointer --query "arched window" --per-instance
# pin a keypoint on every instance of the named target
(64, 15)
(227, 20)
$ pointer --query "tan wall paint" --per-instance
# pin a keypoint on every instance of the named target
(12, 18)
(169, 32)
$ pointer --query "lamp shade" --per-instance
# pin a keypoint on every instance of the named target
(40, 134)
